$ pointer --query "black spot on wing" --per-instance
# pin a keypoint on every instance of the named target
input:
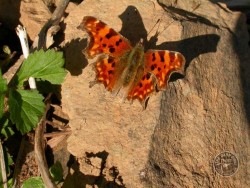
(152, 67)
(111, 49)
(110, 72)
(117, 43)
(110, 60)
(161, 54)
(110, 34)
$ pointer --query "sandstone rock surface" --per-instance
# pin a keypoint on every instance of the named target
(31, 14)
(174, 141)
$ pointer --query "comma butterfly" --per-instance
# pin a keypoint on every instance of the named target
(121, 66)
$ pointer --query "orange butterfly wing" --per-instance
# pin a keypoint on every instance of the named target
(162, 63)
(159, 65)
(112, 46)
(143, 89)
(105, 72)
(103, 39)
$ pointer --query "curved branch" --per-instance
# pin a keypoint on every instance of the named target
(39, 150)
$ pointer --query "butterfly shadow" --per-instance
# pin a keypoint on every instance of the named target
(75, 61)
(134, 30)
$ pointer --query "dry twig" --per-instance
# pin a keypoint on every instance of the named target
(39, 149)
(3, 169)
(39, 134)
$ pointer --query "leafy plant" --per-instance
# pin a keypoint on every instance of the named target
(56, 171)
(26, 107)
(3, 89)
(33, 182)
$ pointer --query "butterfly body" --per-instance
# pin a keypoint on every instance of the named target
(135, 64)
(123, 67)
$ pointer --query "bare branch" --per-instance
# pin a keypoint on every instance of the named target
(3, 169)
(39, 150)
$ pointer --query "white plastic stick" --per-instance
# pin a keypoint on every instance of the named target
(22, 34)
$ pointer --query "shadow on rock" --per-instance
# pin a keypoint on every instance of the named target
(134, 30)
(75, 60)
(79, 179)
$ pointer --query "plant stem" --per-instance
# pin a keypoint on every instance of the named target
(3, 169)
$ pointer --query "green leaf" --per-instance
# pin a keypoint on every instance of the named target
(9, 183)
(3, 89)
(32, 182)
(56, 171)
(25, 107)
(6, 127)
(45, 65)
(8, 160)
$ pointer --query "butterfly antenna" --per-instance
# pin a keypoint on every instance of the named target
(166, 27)
(154, 26)
(159, 25)
(196, 7)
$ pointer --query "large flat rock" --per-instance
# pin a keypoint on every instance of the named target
(174, 141)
